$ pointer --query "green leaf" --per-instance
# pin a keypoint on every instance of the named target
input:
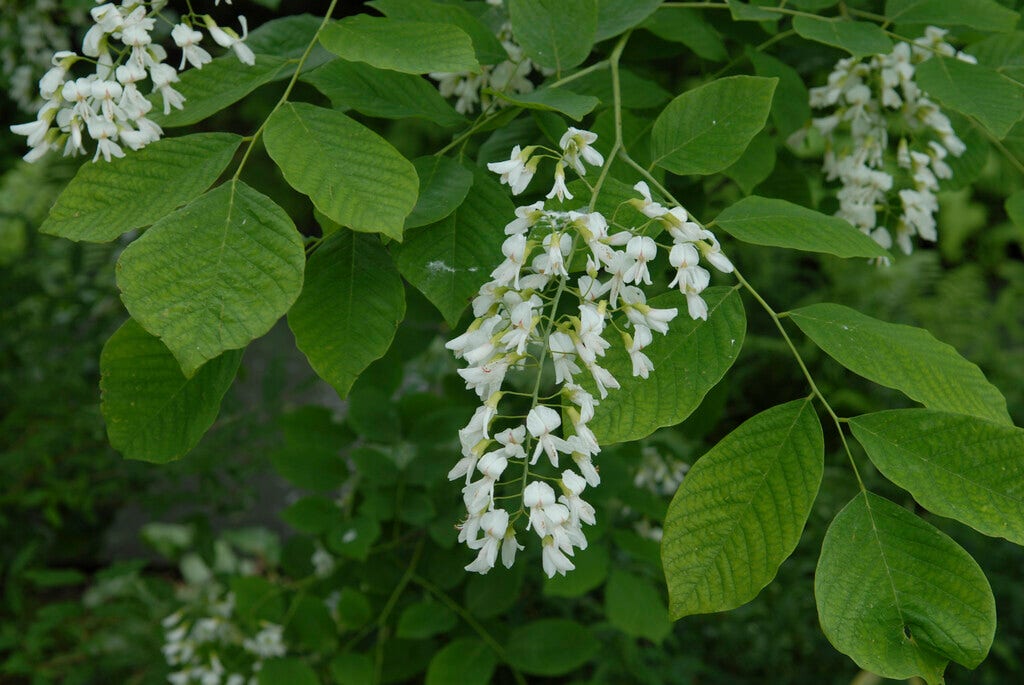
(689, 28)
(350, 668)
(987, 15)
(450, 260)
(312, 515)
(977, 91)
(705, 130)
(351, 174)
(557, 34)
(467, 661)
(354, 538)
(1014, 206)
(904, 358)
(444, 184)
(349, 308)
(257, 599)
(310, 457)
(573, 105)
(291, 671)
(139, 188)
(636, 92)
(616, 16)
(755, 165)
(634, 606)
(551, 647)
(777, 223)
(791, 107)
(222, 82)
(859, 38)
(152, 411)
(213, 275)
(487, 46)
(688, 362)
(424, 619)
(590, 573)
(413, 47)
(742, 11)
(898, 596)
(741, 509)
(954, 465)
(381, 92)
(1004, 53)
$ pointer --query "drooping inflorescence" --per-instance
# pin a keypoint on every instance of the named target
(565, 278)
(108, 105)
(511, 76)
(877, 109)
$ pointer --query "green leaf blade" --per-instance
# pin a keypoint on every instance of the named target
(213, 275)
(954, 465)
(898, 596)
(551, 647)
(976, 91)
(705, 130)
(140, 188)
(548, 37)
(350, 306)
(634, 606)
(688, 362)
(777, 223)
(444, 184)
(904, 358)
(413, 47)
(353, 176)
(449, 260)
(153, 413)
(221, 83)
(720, 551)
(859, 38)
(381, 92)
(987, 15)
(573, 105)
(467, 661)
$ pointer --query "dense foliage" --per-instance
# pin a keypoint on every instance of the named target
(799, 464)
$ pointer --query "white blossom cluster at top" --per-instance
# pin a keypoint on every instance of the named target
(196, 648)
(874, 101)
(29, 34)
(544, 307)
(510, 76)
(107, 105)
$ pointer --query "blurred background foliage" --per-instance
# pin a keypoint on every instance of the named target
(335, 521)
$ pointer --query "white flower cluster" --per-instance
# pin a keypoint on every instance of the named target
(107, 104)
(28, 36)
(870, 98)
(194, 647)
(510, 76)
(522, 321)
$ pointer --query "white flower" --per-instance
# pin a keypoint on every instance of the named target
(494, 524)
(227, 38)
(188, 39)
(554, 560)
(517, 170)
(526, 217)
(579, 510)
(647, 206)
(559, 190)
(642, 365)
(163, 76)
(575, 143)
(540, 422)
(536, 497)
(642, 249)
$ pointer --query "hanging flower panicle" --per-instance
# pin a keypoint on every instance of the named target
(555, 258)
(868, 99)
(511, 76)
(108, 104)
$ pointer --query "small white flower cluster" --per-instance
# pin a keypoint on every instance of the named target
(194, 647)
(107, 104)
(522, 322)
(510, 76)
(866, 97)
(28, 36)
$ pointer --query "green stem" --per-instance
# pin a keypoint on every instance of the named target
(803, 367)
(389, 607)
(287, 90)
(471, 622)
